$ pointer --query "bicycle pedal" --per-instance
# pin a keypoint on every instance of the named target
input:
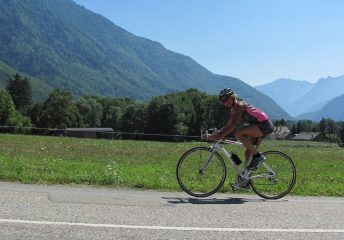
(236, 187)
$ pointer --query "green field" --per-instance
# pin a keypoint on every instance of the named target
(148, 164)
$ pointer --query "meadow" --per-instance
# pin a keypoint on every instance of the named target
(149, 164)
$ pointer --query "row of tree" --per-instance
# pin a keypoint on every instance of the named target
(179, 113)
(326, 125)
(182, 113)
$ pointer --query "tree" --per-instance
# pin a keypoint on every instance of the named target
(7, 107)
(217, 114)
(91, 112)
(35, 113)
(341, 132)
(59, 111)
(305, 126)
(133, 118)
(112, 117)
(281, 122)
(163, 117)
(331, 126)
(9, 115)
(20, 90)
(113, 109)
(195, 110)
(327, 126)
(322, 125)
(18, 120)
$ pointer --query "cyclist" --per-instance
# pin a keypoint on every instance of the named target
(256, 125)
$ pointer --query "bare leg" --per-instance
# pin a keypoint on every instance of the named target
(245, 136)
(256, 142)
(247, 155)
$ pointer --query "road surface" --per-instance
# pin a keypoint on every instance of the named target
(82, 212)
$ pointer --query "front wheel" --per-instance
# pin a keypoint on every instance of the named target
(196, 177)
(275, 177)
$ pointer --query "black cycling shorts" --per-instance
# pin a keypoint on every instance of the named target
(266, 127)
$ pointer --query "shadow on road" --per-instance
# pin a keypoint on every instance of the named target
(178, 200)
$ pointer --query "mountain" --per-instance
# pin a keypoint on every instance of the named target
(41, 89)
(60, 44)
(323, 91)
(301, 98)
(332, 109)
(286, 91)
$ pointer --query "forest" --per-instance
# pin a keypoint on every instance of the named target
(179, 113)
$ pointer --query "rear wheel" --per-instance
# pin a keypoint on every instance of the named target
(275, 177)
(200, 183)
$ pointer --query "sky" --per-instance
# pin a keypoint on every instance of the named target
(257, 41)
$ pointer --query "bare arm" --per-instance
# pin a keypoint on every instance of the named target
(231, 124)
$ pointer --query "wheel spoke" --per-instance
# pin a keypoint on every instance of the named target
(198, 178)
(279, 176)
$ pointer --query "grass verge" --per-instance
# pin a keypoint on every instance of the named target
(151, 165)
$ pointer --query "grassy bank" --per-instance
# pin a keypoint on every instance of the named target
(143, 164)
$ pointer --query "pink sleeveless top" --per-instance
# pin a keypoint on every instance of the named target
(252, 114)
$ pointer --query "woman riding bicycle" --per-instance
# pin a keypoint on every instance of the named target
(201, 171)
(257, 125)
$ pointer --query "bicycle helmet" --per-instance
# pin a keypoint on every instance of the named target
(226, 92)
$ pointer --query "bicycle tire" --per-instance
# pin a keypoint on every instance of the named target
(195, 183)
(278, 183)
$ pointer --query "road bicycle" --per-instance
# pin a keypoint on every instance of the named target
(201, 171)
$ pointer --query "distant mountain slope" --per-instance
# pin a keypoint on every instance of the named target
(285, 91)
(333, 109)
(41, 89)
(322, 92)
(301, 98)
(63, 45)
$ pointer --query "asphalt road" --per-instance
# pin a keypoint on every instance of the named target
(74, 212)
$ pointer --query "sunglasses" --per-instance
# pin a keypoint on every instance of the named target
(224, 99)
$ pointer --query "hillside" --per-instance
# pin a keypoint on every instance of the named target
(332, 109)
(285, 91)
(323, 91)
(41, 88)
(302, 99)
(59, 44)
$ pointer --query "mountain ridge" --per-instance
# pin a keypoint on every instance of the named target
(323, 91)
(317, 99)
(284, 91)
(61, 44)
(332, 109)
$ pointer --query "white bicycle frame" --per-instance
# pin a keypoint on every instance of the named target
(241, 171)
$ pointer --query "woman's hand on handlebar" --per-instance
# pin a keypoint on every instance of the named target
(205, 137)
(210, 137)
